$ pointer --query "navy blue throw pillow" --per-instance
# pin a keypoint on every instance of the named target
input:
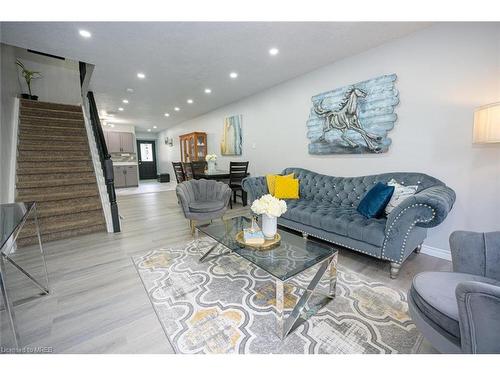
(374, 202)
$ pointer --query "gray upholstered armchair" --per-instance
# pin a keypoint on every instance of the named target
(459, 311)
(203, 200)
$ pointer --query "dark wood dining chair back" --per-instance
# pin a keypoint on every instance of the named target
(198, 168)
(186, 166)
(238, 170)
(180, 176)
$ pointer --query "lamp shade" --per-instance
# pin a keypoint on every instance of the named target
(487, 124)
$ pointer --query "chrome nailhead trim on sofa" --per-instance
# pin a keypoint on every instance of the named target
(403, 247)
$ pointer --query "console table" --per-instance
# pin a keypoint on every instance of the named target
(13, 218)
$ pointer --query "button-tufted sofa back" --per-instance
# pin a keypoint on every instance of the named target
(348, 191)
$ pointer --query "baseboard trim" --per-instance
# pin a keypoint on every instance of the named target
(436, 252)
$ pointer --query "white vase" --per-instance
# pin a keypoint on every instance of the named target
(211, 166)
(269, 226)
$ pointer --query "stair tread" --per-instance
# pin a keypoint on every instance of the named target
(26, 136)
(59, 223)
(56, 193)
(57, 130)
(61, 235)
(24, 155)
(50, 113)
(42, 123)
(29, 167)
(43, 141)
(26, 103)
(80, 146)
(67, 206)
(50, 179)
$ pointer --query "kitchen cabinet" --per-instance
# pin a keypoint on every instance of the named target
(120, 142)
(127, 142)
(125, 176)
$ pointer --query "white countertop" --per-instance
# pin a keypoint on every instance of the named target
(118, 163)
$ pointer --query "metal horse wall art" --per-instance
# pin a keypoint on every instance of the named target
(353, 119)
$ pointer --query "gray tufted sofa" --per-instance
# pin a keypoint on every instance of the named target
(327, 210)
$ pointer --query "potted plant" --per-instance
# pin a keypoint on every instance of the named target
(270, 208)
(28, 77)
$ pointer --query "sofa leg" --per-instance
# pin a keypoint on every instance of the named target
(418, 249)
(395, 267)
(305, 235)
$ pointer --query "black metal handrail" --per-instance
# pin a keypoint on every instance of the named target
(105, 158)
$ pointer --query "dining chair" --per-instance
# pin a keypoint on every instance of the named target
(180, 176)
(186, 166)
(198, 168)
(237, 172)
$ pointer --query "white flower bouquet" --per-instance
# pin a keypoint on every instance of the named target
(269, 205)
(211, 157)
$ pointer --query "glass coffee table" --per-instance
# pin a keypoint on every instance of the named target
(293, 256)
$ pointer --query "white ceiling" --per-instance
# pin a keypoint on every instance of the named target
(181, 59)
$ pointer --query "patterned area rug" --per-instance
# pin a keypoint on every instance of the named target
(226, 305)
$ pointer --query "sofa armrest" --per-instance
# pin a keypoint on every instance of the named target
(256, 187)
(479, 317)
(476, 253)
(184, 195)
(428, 207)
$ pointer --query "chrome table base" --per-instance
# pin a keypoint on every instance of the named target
(297, 317)
(287, 325)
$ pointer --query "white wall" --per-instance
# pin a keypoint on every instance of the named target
(444, 72)
(8, 92)
(60, 83)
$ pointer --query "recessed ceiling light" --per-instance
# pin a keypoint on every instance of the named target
(208, 91)
(154, 127)
(120, 109)
(125, 101)
(167, 114)
(112, 125)
(274, 51)
(130, 90)
(190, 101)
(104, 123)
(233, 75)
(149, 130)
(141, 75)
(177, 109)
(85, 33)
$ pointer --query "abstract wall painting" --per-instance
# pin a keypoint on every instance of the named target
(353, 119)
(231, 136)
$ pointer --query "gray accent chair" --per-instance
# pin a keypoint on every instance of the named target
(459, 311)
(203, 200)
(327, 210)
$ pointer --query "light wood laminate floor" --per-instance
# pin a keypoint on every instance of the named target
(97, 302)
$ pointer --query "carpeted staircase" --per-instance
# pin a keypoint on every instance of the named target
(54, 168)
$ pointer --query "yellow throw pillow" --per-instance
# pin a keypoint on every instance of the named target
(271, 181)
(286, 188)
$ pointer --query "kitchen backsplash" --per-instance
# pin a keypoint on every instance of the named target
(123, 157)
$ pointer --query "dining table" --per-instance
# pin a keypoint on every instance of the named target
(218, 175)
